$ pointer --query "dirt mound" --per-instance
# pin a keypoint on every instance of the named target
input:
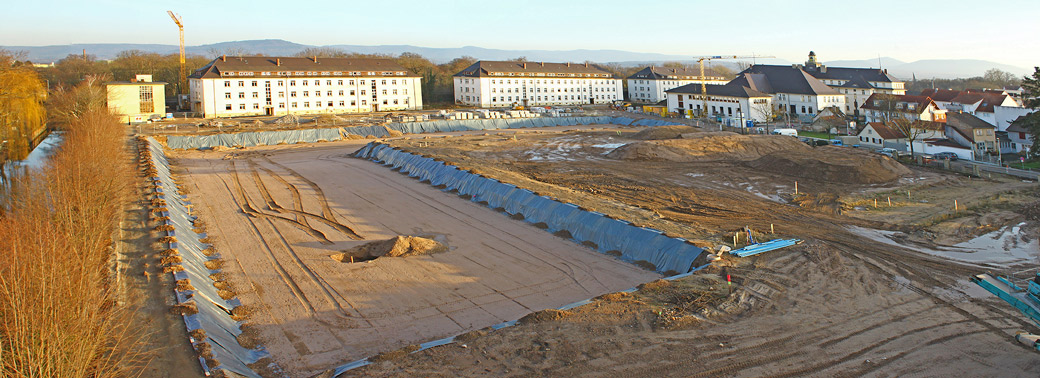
(709, 146)
(833, 164)
(401, 246)
(547, 315)
(664, 132)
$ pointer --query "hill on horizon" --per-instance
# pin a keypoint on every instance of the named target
(923, 69)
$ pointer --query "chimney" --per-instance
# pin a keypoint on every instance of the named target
(278, 62)
(542, 63)
(525, 65)
(315, 59)
(568, 64)
(223, 58)
(586, 64)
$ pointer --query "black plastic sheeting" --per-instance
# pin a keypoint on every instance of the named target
(270, 138)
(634, 243)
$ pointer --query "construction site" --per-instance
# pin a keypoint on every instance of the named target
(587, 246)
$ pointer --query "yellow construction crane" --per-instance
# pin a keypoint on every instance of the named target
(704, 80)
(184, 78)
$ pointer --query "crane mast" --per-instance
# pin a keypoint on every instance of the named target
(183, 77)
(704, 81)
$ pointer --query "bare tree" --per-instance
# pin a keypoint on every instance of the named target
(322, 52)
(898, 116)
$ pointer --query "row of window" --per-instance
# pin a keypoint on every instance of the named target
(510, 99)
(317, 104)
(549, 98)
(316, 93)
(539, 81)
(553, 90)
(292, 83)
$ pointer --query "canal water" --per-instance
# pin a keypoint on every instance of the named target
(35, 159)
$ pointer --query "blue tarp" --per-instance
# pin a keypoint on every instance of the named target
(634, 243)
(260, 138)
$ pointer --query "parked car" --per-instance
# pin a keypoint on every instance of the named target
(788, 132)
(890, 152)
(946, 156)
(836, 142)
(817, 142)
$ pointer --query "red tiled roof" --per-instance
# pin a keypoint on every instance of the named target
(886, 132)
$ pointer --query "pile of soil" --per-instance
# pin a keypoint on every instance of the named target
(710, 146)
(401, 246)
(833, 164)
(546, 315)
(664, 132)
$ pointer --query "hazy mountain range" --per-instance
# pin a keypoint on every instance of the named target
(922, 69)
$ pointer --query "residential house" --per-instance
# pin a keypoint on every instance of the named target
(649, 84)
(972, 132)
(265, 85)
(982, 103)
(882, 107)
(1020, 137)
(491, 84)
(877, 134)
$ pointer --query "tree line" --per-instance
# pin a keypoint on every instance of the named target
(61, 315)
(992, 79)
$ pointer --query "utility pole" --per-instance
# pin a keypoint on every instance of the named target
(183, 77)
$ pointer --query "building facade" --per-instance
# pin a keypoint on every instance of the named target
(260, 85)
(137, 100)
(797, 96)
(491, 84)
(650, 84)
(732, 101)
(883, 107)
(857, 84)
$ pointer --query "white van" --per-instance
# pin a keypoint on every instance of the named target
(788, 132)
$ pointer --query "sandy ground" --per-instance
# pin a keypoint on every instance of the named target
(841, 304)
(278, 213)
(144, 287)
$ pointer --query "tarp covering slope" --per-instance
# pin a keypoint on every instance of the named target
(268, 138)
(634, 243)
(214, 312)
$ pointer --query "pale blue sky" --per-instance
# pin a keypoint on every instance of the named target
(1004, 31)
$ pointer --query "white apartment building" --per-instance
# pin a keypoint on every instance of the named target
(650, 84)
(491, 84)
(261, 85)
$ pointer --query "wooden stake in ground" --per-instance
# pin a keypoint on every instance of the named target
(889, 201)
(771, 229)
(955, 207)
(796, 187)
(875, 203)
(907, 195)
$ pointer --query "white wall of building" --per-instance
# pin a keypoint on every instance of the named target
(493, 92)
(653, 91)
(248, 96)
(737, 108)
(922, 147)
(1004, 115)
